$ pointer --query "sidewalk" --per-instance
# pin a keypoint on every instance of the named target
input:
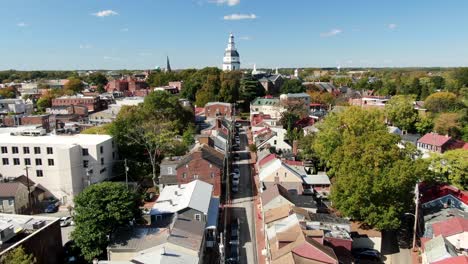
(259, 232)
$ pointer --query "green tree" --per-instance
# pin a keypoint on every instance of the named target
(292, 86)
(99, 211)
(98, 79)
(74, 85)
(424, 125)
(209, 91)
(400, 111)
(98, 130)
(460, 75)
(9, 92)
(250, 89)
(448, 124)
(17, 256)
(43, 103)
(230, 85)
(375, 187)
(442, 102)
(451, 167)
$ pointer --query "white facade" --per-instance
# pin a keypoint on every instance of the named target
(16, 106)
(64, 165)
(231, 60)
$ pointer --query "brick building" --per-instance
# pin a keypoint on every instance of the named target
(45, 121)
(218, 109)
(93, 103)
(203, 163)
(128, 87)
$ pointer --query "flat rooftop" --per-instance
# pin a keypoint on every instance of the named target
(51, 139)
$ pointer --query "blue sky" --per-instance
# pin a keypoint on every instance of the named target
(138, 34)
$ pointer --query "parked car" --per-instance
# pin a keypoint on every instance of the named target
(236, 156)
(236, 170)
(235, 181)
(237, 140)
(234, 175)
(235, 148)
(65, 221)
(367, 254)
(238, 125)
(235, 188)
(51, 208)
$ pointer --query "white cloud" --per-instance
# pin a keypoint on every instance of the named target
(85, 46)
(392, 26)
(124, 30)
(226, 2)
(240, 16)
(22, 24)
(105, 13)
(331, 33)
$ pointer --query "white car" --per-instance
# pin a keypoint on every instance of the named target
(237, 141)
(236, 170)
(65, 221)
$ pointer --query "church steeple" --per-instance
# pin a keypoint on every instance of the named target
(168, 65)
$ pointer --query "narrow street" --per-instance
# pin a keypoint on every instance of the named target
(242, 204)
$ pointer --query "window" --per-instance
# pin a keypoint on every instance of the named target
(285, 174)
(16, 161)
(102, 161)
(50, 162)
(5, 161)
(197, 217)
(85, 152)
(14, 150)
(11, 202)
(85, 163)
(50, 150)
(39, 173)
(37, 150)
(26, 150)
(169, 170)
(102, 170)
(101, 149)
(212, 175)
(184, 175)
(274, 142)
(27, 161)
(113, 155)
(195, 176)
(112, 143)
(38, 162)
(4, 150)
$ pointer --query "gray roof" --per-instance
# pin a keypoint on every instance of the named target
(138, 238)
(187, 234)
(328, 218)
(213, 213)
(208, 153)
(304, 201)
(439, 248)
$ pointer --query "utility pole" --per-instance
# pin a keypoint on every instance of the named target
(29, 189)
(126, 173)
(416, 201)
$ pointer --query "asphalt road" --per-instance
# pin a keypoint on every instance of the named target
(242, 204)
(66, 231)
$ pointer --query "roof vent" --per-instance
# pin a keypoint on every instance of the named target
(39, 224)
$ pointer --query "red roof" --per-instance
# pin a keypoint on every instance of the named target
(265, 129)
(434, 139)
(293, 162)
(430, 193)
(266, 159)
(450, 227)
(199, 110)
(258, 118)
(453, 260)
(304, 122)
(313, 252)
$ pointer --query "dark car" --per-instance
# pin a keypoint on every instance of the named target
(72, 254)
(236, 156)
(367, 255)
(51, 208)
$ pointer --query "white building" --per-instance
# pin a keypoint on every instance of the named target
(266, 106)
(16, 106)
(62, 164)
(231, 60)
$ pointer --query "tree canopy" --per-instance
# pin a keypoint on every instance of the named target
(292, 86)
(74, 85)
(400, 112)
(99, 210)
(17, 256)
(373, 177)
(451, 167)
(442, 102)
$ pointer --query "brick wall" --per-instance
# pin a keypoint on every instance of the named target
(200, 167)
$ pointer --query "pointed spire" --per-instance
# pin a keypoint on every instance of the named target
(168, 65)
